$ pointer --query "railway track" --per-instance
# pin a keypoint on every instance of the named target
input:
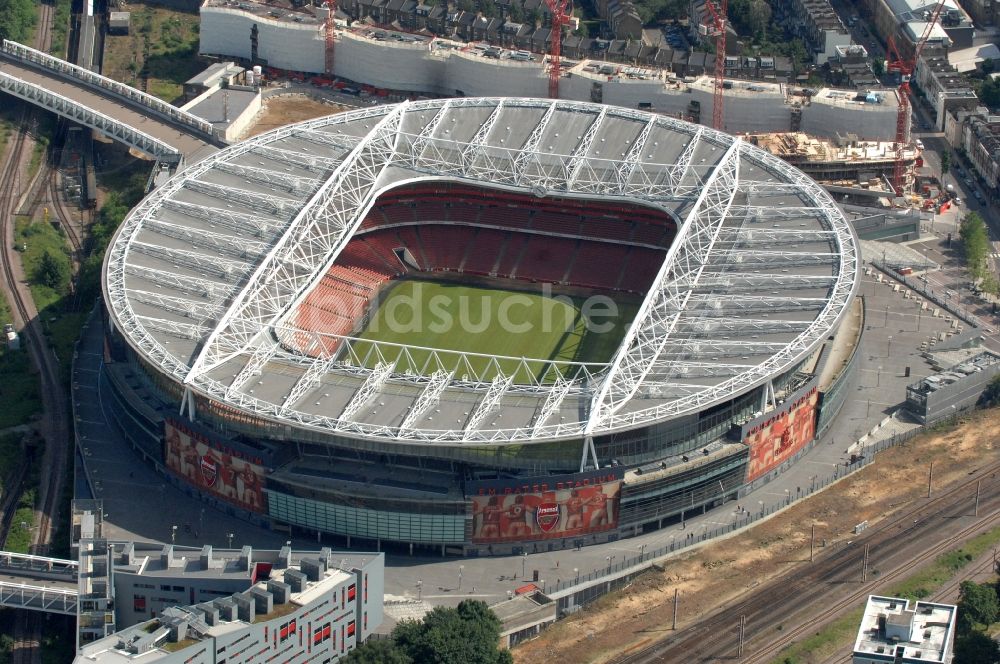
(812, 594)
(947, 594)
(55, 425)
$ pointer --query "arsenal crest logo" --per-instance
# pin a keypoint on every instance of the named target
(547, 516)
(209, 470)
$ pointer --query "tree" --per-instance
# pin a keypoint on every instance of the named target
(976, 648)
(991, 395)
(878, 67)
(750, 17)
(977, 605)
(17, 17)
(975, 245)
(516, 12)
(383, 651)
(52, 272)
(945, 162)
(468, 633)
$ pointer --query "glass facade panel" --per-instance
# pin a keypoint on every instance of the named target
(368, 523)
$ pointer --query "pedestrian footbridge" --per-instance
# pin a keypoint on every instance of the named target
(38, 583)
(114, 109)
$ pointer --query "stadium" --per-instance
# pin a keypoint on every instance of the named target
(479, 325)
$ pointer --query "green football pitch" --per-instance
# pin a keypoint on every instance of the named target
(487, 321)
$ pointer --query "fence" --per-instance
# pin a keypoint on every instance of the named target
(586, 587)
(923, 289)
(160, 107)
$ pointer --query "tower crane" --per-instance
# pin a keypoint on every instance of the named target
(718, 30)
(561, 11)
(331, 8)
(905, 68)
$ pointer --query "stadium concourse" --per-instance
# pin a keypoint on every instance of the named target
(253, 351)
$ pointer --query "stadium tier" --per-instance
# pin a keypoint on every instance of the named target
(479, 325)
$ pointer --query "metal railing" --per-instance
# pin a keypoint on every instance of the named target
(37, 598)
(588, 586)
(23, 562)
(87, 116)
(29, 55)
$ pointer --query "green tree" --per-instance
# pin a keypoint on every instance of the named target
(975, 245)
(468, 633)
(17, 17)
(977, 605)
(976, 648)
(878, 66)
(991, 395)
(52, 272)
(945, 162)
(383, 651)
(516, 12)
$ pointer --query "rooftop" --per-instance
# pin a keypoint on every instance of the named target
(893, 628)
(184, 269)
(985, 361)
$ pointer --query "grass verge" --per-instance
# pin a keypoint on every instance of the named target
(60, 28)
(160, 49)
(19, 535)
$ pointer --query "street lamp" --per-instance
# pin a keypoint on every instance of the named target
(173, 534)
(576, 573)
(788, 496)
(761, 503)
(460, 569)
(524, 559)
(888, 350)
(610, 559)
(878, 377)
(420, 589)
(230, 537)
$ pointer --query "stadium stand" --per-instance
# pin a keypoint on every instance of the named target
(452, 228)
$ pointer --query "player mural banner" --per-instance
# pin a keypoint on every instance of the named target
(779, 435)
(225, 475)
(555, 508)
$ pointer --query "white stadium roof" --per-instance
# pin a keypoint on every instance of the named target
(202, 275)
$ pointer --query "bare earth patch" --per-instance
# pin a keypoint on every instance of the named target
(720, 572)
(286, 109)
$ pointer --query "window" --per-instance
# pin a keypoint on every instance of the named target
(287, 630)
(139, 603)
(350, 628)
(322, 634)
(352, 592)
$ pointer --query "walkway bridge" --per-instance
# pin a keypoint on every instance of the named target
(38, 583)
(114, 109)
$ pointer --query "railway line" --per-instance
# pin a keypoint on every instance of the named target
(55, 425)
(814, 593)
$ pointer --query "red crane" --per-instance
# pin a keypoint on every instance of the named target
(905, 67)
(331, 8)
(561, 11)
(718, 30)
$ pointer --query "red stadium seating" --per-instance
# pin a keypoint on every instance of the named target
(456, 228)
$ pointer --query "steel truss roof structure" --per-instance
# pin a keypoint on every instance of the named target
(204, 275)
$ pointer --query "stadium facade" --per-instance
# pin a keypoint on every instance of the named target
(292, 40)
(237, 295)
